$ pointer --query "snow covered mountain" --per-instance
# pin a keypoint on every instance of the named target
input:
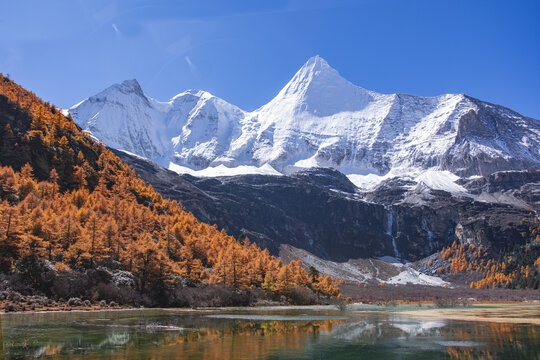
(193, 123)
(318, 119)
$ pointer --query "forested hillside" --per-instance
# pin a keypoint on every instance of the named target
(515, 267)
(77, 222)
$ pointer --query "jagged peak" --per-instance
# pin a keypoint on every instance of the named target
(131, 85)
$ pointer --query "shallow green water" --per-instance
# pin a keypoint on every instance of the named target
(271, 333)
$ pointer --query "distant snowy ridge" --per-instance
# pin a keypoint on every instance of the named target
(318, 119)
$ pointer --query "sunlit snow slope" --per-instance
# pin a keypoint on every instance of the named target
(318, 119)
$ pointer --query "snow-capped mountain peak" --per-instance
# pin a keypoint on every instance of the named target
(317, 62)
(321, 90)
(319, 119)
(131, 86)
(192, 92)
(126, 87)
(312, 71)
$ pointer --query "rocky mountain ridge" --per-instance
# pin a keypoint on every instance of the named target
(318, 119)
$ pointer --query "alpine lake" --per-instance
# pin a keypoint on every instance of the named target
(324, 332)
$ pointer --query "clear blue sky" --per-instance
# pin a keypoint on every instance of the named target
(245, 51)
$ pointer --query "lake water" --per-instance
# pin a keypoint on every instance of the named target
(264, 333)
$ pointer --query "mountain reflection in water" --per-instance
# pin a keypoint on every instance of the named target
(259, 334)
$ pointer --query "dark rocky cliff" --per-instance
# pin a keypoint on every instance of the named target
(320, 211)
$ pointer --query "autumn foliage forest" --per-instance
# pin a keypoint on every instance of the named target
(77, 222)
(516, 267)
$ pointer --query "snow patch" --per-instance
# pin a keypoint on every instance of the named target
(440, 180)
(367, 182)
(433, 178)
(412, 276)
(222, 170)
(364, 270)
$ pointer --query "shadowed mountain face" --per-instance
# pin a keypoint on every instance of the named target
(321, 211)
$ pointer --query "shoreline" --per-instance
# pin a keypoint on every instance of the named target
(528, 313)
(63, 310)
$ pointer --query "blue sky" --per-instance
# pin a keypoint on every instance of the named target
(246, 51)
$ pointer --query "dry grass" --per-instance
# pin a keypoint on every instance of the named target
(502, 313)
